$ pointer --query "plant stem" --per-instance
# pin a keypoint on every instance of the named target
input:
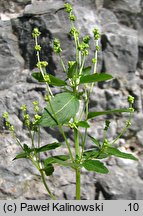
(77, 157)
(62, 63)
(67, 143)
(46, 186)
(77, 150)
(37, 165)
(41, 69)
(95, 65)
(77, 184)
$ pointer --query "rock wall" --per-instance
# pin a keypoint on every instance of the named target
(120, 23)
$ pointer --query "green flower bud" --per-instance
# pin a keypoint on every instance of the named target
(11, 128)
(47, 98)
(37, 47)
(106, 144)
(94, 60)
(7, 124)
(86, 39)
(97, 48)
(95, 31)
(131, 109)
(36, 106)
(107, 124)
(128, 123)
(72, 17)
(57, 46)
(83, 46)
(74, 31)
(5, 115)
(68, 7)
(27, 120)
(41, 64)
(131, 99)
(36, 33)
(36, 117)
(96, 37)
(23, 108)
(96, 34)
(71, 63)
(47, 78)
(85, 52)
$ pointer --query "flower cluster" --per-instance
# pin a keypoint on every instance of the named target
(36, 106)
(131, 99)
(72, 17)
(74, 32)
(42, 64)
(36, 33)
(37, 47)
(107, 124)
(25, 115)
(96, 34)
(57, 46)
(68, 8)
(7, 122)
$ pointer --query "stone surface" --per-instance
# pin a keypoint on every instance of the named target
(11, 62)
(119, 43)
(124, 5)
(121, 55)
(120, 183)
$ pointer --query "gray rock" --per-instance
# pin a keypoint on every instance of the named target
(120, 184)
(11, 62)
(123, 5)
(119, 43)
(140, 137)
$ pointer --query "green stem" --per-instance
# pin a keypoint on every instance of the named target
(77, 150)
(95, 56)
(124, 129)
(41, 69)
(77, 184)
(39, 141)
(95, 65)
(67, 143)
(62, 63)
(77, 157)
(46, 186)
(37, 165)
(121, 133)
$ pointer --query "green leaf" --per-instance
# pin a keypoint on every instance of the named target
(49, 169)
(86, 71)
(83, 124)
(96, 142)
(54, 159)
(26, 148)
(116, 152)
(95, 78)
(91, 153)
(65, 106)
(53, 80)
(56, 81)
(72, 70)
(95, 165)
(38, 76)
(47, 147)
(95, 114)
(94, 153)
(21, 155)
(59, 159)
